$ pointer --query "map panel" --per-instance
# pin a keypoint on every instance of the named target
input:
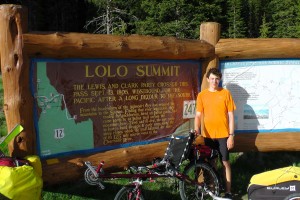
(266, 93)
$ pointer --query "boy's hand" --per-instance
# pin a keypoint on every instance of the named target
(230, 142)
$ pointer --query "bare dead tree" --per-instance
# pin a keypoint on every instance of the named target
(110, 21)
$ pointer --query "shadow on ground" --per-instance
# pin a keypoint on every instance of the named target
(81, 190)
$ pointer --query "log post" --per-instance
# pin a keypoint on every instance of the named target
(18, 102)
(209, 32)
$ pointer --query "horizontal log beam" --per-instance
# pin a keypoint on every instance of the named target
(80, 45)
(68, 169)
(267, 142)
(258, 48)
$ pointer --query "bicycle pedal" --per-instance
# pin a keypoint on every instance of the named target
(133, 169)
(101, 186)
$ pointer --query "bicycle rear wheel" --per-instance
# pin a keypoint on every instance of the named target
(295, 196)
(204, 174)
(128, 192)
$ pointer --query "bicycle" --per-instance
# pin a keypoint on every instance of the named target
(199, 180)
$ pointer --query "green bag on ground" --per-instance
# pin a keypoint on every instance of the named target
(23, 182)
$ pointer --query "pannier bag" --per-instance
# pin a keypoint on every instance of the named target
(275, 184)
(21, 182)
(205, 152)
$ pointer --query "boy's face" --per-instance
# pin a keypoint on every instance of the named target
(213, 81)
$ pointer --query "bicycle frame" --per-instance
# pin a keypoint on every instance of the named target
(140, 176)
(142, 172)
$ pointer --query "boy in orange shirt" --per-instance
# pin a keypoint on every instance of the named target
(216, 106)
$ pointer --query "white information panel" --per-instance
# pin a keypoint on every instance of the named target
(266, 93)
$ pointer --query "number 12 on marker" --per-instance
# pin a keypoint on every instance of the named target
(59, 133)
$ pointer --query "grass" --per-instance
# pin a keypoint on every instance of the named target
(161, 189)
(3, 129)
(244, 166)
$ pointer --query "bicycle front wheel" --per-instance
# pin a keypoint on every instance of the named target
(129, 193)
(206, 176)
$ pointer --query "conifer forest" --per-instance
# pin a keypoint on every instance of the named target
(178, 18)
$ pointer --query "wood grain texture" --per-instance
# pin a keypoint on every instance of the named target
(80, 45)
(18, 102)
(72, 168)
(258, 48)
(209, 32)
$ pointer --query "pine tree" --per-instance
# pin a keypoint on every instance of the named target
(179, 18)
(264, 28)
(298, 19)
(252, 12)
(283, 18)
(236, 27)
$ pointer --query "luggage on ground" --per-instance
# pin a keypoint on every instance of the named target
(275, 184)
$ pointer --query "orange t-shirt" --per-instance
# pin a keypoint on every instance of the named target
(214, 107)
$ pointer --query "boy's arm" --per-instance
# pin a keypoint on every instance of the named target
(230, 141)
(231, 122)
(197, 123)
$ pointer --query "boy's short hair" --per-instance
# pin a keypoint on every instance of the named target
(215, 72)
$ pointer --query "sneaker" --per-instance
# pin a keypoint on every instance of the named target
(228, 195)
